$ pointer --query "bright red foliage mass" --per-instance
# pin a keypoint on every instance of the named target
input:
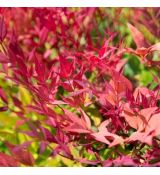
(52, 53)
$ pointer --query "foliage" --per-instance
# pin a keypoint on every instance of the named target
(79, 87)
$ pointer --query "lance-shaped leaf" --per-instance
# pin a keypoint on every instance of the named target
(8, 161)
(103, 135)
(123, 160)
(3, 29)
(66, 67)
(76, 124)
(4, 108)
(146, 122)
(155, 47)
(4, 58)
(137, 36)
(21, 153)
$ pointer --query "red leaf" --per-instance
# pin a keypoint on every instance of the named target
(76, 124)
(3, 30)
(86, 119)
(155, 47)
(140, 119)
(146, 122)
(104, 136)
(137, 36)
(4, 58)
(66, 67)
(21, 154)
(8, 161)
(40, 69)
(4, 108)
(43, 35)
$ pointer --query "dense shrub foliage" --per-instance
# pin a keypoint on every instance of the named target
(79, 87)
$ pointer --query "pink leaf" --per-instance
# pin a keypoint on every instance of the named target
(8, 161)
(21, 154)
(3, 30)
(3, 58)
(137, 36)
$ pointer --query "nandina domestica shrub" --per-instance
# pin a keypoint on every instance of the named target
(79, 87)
